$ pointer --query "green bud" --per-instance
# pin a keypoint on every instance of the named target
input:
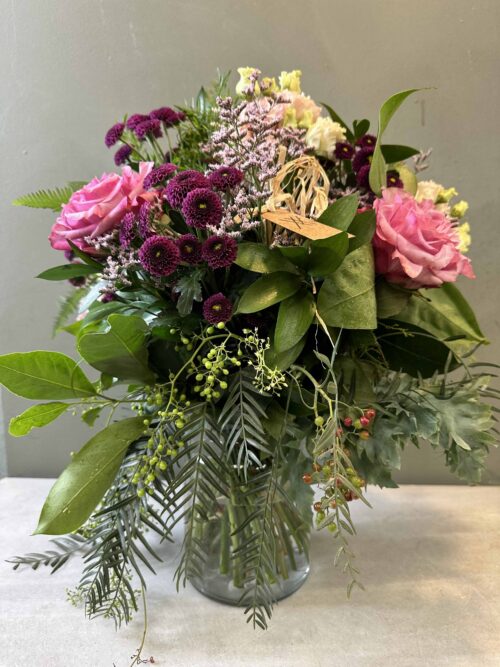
(210, 330)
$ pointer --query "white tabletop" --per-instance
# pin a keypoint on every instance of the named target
(430, 561)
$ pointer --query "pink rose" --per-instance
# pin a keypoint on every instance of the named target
(415, 245)
(99, 207)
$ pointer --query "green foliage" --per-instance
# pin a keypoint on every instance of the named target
(347, 297)
(393, 153)
(35, 417)
(295, 316)
(67, 271)
(334, 116)
(362, 227)
(66, 548)
(387, 111)
(44, 375)
(360, 127)
(391, 299)
(268, 290)
(327, 255)
(261, 259)
(68, 307)
(120, 350)
(91, 472)
(341, 213)
(52, 199)
(283, 360)
(189, 289)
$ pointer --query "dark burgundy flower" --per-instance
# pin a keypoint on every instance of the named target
(189, 248)
(225, 178)
(159, 175)
(219, 251)
(202, 207)
(108, 296)
(159, 256)
(114, 134)
(393, 180)
(217, 308)
(367, 141)
(362, 177)
(135, 119)
(127, 229)
(362, 158)
(122, 154)
(180, 185)
(151, 127)
(343, 151)
(168, 116)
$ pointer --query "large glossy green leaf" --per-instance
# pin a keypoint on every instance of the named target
(362, 228)
(443, 312)
(295, 315)
(341, 212)
(268, 290)
(120, 350)
(391, 299)
(261, 259)
(347, 297)
(387, 111)
(327, 255)
(35, 417)
(66, 271)
(283, 360)
(394, 153)
(43, 375)
(87, 478)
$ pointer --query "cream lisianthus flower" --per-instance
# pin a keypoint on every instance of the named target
(268, 85)
(428, 190)
(291, 81)
(463, 232)
(246, 74)
(323, 135)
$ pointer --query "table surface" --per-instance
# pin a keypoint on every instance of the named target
(429, 558)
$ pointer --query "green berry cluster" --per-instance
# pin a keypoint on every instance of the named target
(212, 368)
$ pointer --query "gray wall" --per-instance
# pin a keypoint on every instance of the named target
(70, 69)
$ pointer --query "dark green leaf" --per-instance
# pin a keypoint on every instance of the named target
(66, 271)
(334, 116)
(283, 360)
(91, 415)
(391, 299)
(327, 255)
(394, 153)
(89, 475)
(341, 212)
(84, 257)
(268, 290)
(295, 254)
(189, 289)
(361, 127)
(295, 315)
(261, 259)
(362, 228)
(35, 417)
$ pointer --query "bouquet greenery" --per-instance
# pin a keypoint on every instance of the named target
(269, 293)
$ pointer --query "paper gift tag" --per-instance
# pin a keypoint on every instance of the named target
(311, 229)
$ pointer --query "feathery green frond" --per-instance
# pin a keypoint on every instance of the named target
(50, 198)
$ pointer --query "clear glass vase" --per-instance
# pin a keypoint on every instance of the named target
(225, 534)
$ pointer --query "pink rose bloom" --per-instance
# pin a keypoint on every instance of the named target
(99, 207)
(415, 245)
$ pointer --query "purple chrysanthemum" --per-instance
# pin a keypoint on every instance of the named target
(202, 207)
(69, 255)
(393, 180)
(114, 134)
(168, 116)
(343, 151)
(144, 225)
(367, 141)
(189, 248)
(122, 154)
(135, 119)
(362, 177)
(362, 158)
(219, 251)
(158, 175)
(127, 230)
(180, 185)
(159, 256)
(217, 308)
(151, 127)
(108, 296)
(226, 178)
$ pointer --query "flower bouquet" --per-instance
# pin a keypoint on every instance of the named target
(267, 294)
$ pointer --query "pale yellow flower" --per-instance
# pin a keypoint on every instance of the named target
(291, 81)
(323, 135)
(268, 85)
(428, 190)
(245, 74)
(463, 232)
(446, 195)
(459, 209)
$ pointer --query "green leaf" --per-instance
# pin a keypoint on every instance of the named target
(91, 415)
(334, 116)
(68, 307)
(283, 360)
(391, 299)
(296, 254)
(361, 127)
(295, 315)
(44, 375)
(347, 297)
(387, 111)
(261, 259)
(52, 199)
(120, 350)
(89, 475)
(341, 212)
(189, 289)
(362, 228)
(327, 255)
(445, 313)
(35, 417)
(84, 257)
(67, 271)
(268, 290)
(394, 153)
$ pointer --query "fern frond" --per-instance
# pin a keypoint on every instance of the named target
(66, 548)
(68, 307)
(52, 199)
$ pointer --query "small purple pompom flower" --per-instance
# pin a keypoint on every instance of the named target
(159, 256)
(168, 116)
(225, 178)
(135, 119)
(217, 308)
(108, 296)
(343, 151)
(362, 158)
(122, 154)
(127, 230)
(189, 248)
(367, 141)
(219, 251)
(180, 185)
(362, 177)
(202, 207)
(114, 134)
(159, 175)
(393, 180)
(151, 127)
(145, 217)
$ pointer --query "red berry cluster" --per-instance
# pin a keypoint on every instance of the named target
(361, 424)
